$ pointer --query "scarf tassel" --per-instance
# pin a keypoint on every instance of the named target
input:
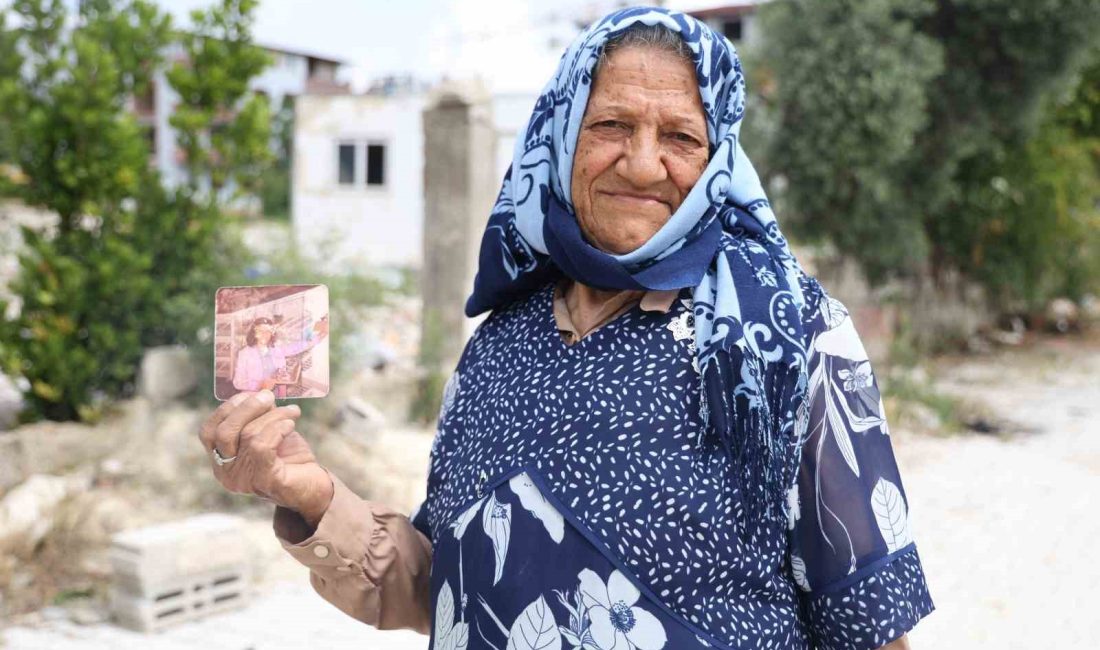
(755, 426)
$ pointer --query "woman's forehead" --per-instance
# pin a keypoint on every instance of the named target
(641, 86)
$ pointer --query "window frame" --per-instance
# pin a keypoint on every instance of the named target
(340, 145)
(360, 163)
(382, 173)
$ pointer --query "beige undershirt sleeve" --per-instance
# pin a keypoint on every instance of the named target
(365, 558)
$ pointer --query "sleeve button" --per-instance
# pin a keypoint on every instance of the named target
(320, 551)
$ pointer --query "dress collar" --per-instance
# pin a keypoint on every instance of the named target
(651, 300)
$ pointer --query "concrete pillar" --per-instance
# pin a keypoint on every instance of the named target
(460, 186)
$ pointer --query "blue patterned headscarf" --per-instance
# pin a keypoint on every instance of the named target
(723, 241)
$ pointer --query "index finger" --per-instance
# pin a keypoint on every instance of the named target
(206, 433)
(251, 408)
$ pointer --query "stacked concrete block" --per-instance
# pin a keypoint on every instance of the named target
(179, 571)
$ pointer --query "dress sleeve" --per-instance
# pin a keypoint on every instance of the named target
(365, 558)
(852, 552)
(291, 349)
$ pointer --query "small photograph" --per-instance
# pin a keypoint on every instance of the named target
(273, 337)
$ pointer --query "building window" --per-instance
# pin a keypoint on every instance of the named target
(347, 164)
(376, 164)
(150, 133)
(146, 102)
(732, 29)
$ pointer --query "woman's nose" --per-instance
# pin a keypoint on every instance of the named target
(642, 165)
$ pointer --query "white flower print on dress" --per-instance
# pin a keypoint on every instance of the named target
(858, 378)
(794, 511)
(496, 520)
(534, 502)
(616, 622)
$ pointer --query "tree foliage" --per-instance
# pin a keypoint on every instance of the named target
(914, 135)
(223, 128)
(130, 263)
(275, 184)
(851, 97)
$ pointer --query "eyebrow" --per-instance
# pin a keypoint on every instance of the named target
(626, 109)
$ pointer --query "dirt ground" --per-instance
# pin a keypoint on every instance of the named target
(1006, 524)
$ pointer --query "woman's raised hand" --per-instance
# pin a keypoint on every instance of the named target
(273, 461)
(321, 327)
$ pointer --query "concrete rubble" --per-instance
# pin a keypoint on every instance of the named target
(27, 511)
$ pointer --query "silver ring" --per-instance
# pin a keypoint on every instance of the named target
(221, 460)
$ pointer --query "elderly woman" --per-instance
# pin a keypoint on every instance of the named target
(664, 435)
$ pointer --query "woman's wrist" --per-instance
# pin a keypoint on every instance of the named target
(317, 504)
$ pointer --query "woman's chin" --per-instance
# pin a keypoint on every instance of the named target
(623, 243)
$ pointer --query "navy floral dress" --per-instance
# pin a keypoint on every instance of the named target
(569, 506)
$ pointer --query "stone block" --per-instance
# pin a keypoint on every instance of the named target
(57, 447)
(359, 419)
(11, 402)
(167, 373)
(180, 571)
(27, 512)
(12, 472)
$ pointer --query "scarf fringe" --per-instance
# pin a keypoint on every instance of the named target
(749, 425)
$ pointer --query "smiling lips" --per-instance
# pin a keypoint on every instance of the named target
(637, 199)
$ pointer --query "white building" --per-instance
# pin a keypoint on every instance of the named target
(357, 188)
(291, 73)
(357, 183)
(737, 21)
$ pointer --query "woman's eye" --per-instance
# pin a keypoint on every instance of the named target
(684, 137)
(613, 124)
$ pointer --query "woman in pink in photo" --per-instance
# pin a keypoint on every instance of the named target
(261, 360)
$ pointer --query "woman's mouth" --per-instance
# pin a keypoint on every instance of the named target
(636, 198)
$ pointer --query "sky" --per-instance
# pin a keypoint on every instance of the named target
(514, 45)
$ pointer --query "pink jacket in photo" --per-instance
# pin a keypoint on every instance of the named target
(250, 367)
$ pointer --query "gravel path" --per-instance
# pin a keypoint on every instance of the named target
(1005, 525)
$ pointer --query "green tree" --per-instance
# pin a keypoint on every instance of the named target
(11, 62)
(222, 127)
(1036, 223)
(900, 124)
(849, 100)
(130, 263)
(1005, 61)
(82, 287)
(224, 131)
(275, 184)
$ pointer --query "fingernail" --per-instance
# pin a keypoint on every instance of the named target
(266, 397)
(238, 398)
(297, 409)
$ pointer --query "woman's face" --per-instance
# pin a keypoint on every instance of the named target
(263, 334)
(642, 146)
